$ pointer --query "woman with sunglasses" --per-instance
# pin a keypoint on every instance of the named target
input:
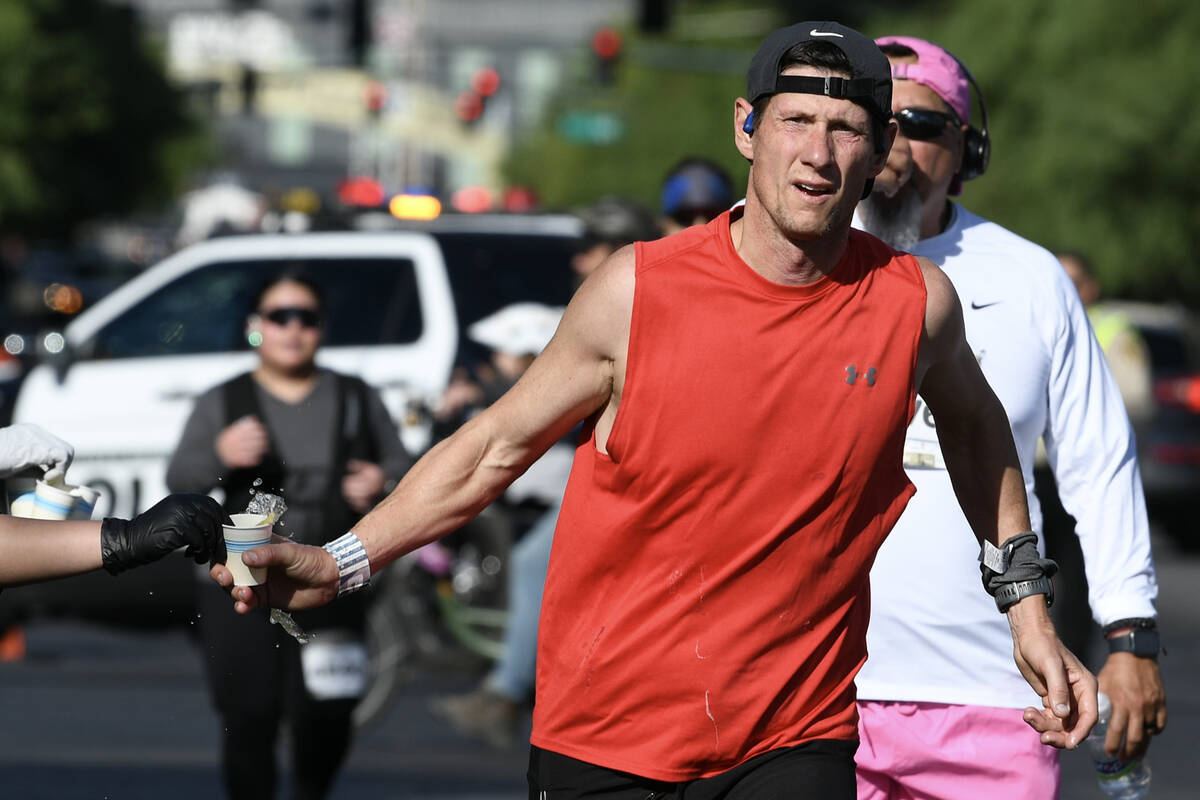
(325, 442)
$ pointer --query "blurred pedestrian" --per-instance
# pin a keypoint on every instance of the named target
(744, 388)
(514, 336)
(608, 224)
(694, 192)
(937, 682)
(326, 444)
(1124, 347)
(495, 709)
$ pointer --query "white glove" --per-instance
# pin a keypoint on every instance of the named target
(26, 445)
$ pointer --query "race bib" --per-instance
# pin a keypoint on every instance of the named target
(923, 454)
(334, 669)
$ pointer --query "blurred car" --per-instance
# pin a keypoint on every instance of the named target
(119, 380)
(1169, 444)
(43, 290)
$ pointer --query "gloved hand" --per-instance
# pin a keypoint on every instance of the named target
(26, 445)
(178, 520)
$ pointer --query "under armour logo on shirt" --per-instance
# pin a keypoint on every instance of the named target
(852, 375)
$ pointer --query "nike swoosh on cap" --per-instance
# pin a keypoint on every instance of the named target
(977, 306)
(815, 32)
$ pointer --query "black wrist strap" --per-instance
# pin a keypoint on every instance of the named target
(1009, 594)
(1024, 563)
(1142, 642)
(1144, 623)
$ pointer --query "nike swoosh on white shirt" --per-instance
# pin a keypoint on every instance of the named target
(815, 32)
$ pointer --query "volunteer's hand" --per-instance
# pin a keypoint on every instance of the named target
(1139, 702)
(300, 576)
(363, 484)
(178, 520)
(243, 443)
(26, 445)
(1067, 689)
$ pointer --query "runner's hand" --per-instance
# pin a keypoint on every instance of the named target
(300, 576)
(1067, 689)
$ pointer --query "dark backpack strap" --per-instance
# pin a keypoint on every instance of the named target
(353, 438)
(241, 400)
(357, 439)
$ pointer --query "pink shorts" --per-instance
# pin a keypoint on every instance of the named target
(934, 751)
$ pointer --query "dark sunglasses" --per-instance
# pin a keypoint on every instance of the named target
(923, 124)
(307, 317)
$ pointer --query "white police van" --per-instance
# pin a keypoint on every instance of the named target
(121, 384)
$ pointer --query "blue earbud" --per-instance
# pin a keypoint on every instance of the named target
(748, 125)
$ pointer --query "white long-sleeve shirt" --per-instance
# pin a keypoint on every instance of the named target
(935, 634)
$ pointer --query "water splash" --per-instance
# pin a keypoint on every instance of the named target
(271, 507)
(290, 625)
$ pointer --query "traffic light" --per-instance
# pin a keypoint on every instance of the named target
(485, 81)
(470, 105)
(375, 97)
(606, 44)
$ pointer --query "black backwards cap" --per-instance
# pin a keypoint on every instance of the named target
(870, 81)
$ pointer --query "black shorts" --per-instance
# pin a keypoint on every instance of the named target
(819, 770)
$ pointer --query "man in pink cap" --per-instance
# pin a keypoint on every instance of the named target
(940, 700)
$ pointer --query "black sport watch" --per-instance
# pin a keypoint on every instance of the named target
(1010, 593)
(1142, 642)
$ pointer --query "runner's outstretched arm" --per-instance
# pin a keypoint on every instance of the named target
(573, 378)
(976, 440)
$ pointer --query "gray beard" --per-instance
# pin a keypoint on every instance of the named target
(895, 220)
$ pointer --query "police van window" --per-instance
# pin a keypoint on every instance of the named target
(488, 271)
(368, 301)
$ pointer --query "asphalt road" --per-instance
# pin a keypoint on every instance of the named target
(96, 712)
(105, 714)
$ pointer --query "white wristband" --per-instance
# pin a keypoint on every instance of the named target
(354, 570)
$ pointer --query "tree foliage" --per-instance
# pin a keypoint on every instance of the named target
(89, 125)
(666, 113)
(1094, 148)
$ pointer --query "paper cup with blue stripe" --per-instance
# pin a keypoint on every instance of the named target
(85, 501)
(247, 532)
(51, 502)
(22, 506)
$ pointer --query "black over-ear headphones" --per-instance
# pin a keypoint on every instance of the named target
(977, 145)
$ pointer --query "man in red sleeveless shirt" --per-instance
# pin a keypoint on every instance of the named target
(745, 387)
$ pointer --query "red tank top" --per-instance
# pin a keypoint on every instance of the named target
(707, 595)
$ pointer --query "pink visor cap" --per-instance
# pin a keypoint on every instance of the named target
(936, 69)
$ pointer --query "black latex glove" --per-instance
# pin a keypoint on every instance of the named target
(178, 520)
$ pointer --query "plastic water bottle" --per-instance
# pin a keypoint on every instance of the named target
(1123, 780)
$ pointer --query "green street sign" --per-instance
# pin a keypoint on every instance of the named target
(591, 127)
